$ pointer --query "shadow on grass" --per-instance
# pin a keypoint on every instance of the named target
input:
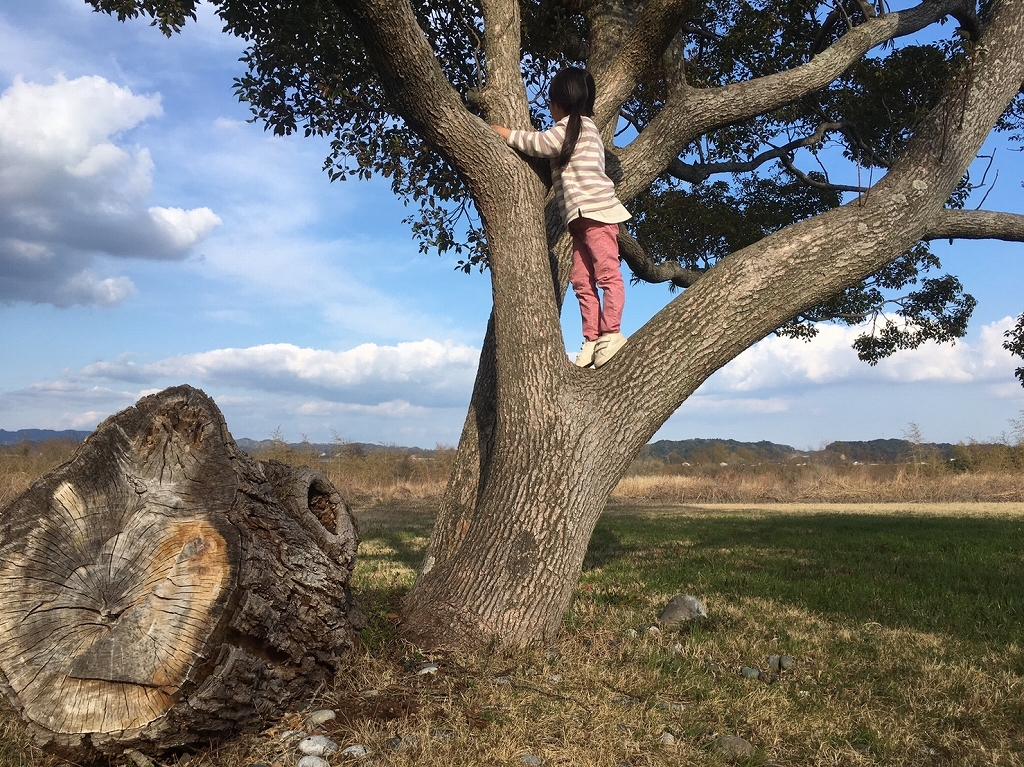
(957, 576)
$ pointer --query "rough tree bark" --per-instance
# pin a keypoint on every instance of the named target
(163, 588)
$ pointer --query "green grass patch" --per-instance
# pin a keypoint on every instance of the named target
(959, 576)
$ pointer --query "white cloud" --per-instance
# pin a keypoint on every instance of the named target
(393, 409)
(781, 362)
(422, 372)
(69, 193)
(703, 403)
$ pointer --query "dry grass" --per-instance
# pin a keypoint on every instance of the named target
(373, 477)
(823, 484)
(904, 621)
(23, 464)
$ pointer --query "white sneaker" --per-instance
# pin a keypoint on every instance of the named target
(586, 356)
(607, 345)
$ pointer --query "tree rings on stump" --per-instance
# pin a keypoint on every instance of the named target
(163, 588)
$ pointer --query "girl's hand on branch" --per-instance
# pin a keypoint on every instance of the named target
(501, 131)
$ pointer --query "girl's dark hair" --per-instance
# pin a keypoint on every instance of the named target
(573, 90)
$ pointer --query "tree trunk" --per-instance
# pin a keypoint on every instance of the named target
(162, 588)
(545, 442)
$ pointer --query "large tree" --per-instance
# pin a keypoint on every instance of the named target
(787, 163)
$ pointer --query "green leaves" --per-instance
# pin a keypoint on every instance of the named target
(1014, 344)
(169, 15)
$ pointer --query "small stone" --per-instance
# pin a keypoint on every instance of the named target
(677, 648)
(622, 700)
(861, 748)
(289, 735)
(552, 654)
(402, 741)
(355, 752)
(733, 749)
(530, 760)
(370, 693)
(750, 673)
(667, 738)
(773, 662)
(503, 681)
(317, 745)
(442, 735)
(312, 761)
(712, 668)
(555, 678)
(653, 631)
(785, 663)
(631, 634)
(681, 609)
(427, 668)
(667, 705)
(318, 718)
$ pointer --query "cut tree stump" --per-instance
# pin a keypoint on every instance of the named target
(163, 588)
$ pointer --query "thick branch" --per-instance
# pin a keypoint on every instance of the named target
(976, 225)
(691, 112)
(655, 26)
(752, 292)
(504, 95)
(416, 84)
(644, 268)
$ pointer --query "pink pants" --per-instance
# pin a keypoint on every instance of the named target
(595, 265)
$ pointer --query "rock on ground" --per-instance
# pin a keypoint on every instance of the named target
(681, 609)
(733, 749)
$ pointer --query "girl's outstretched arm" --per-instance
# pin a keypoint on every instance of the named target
(537, 143)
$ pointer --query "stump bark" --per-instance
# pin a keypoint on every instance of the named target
(163, 588)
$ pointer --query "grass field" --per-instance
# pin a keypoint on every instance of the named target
(904, 621)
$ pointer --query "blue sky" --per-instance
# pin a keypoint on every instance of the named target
(150, 235)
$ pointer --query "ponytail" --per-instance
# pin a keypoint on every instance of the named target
(573, 90)
(572, 135)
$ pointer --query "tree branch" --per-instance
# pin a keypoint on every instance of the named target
(413, 79)
(504, 95)
(787, 163)
(696, 173)
(691, 112)
(642, 264)
(655, 27)
(976, 225)
(805, 264)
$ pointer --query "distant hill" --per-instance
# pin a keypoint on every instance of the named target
(733, 451)
(889, 450)
(670, 451)
(329, 448)
(38, 435)
(718, 451)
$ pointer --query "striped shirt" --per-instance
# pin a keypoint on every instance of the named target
(581, 186)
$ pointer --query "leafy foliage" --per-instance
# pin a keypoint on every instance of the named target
(306, 70)
(1014, 344)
